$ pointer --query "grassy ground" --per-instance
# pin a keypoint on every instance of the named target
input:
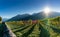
(38, 28)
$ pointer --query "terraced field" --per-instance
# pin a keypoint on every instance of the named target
(45, 28)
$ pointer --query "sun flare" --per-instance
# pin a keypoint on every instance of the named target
(47, 10)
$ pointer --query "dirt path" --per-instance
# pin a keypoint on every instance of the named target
(7, 32)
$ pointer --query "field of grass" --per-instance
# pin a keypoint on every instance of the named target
(36, 28)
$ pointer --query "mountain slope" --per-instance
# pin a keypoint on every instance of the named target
(35, 16)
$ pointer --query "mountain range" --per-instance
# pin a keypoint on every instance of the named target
(35, 16)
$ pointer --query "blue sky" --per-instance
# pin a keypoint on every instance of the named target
(10, 8)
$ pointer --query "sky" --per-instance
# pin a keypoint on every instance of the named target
(10, 8)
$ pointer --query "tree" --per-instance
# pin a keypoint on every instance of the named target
(0, 19)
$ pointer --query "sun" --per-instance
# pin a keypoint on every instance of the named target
(47, 10)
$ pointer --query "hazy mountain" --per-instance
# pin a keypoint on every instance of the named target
(4, 19)
(35, 16)
(54, 14)
(18, 17)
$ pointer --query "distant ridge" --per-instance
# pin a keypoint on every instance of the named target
(35, 16)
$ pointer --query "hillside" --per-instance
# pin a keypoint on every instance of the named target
(36, 28)
(35, 16)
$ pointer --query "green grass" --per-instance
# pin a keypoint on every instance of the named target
(35, 32)
(24, 32)
(43, 28)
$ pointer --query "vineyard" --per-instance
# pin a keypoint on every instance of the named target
(36, 28)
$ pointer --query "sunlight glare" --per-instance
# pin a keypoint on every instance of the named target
(47, 10)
